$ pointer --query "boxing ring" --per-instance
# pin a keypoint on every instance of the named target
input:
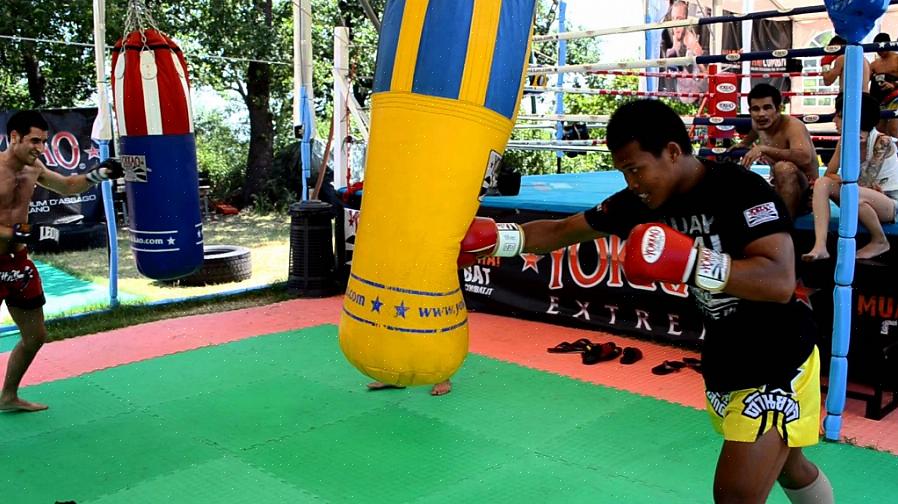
(584, 285)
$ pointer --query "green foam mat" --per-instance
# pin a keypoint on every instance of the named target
(284, 418)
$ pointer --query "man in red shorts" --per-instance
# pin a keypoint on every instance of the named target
(20, 284)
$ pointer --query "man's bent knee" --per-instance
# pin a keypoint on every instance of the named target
(786, 173)
(824, 183)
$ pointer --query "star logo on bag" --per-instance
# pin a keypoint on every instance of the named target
(376, 303)
(803, 294)
(354, 219)
(530, 262)
(401, 309)
(92, 153)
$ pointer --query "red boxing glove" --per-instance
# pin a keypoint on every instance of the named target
(485, 237)
(657, 252)
(828, 59)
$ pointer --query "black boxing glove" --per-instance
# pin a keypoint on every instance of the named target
(109, 169)
(21, 233)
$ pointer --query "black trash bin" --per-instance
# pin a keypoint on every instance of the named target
(312, 261)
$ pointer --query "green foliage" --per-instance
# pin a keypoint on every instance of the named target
(541, 162)
(207, 29)
(61, 75)
(220, 155)
(15, 91)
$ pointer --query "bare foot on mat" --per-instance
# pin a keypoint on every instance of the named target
(21, 405)
(441, 388)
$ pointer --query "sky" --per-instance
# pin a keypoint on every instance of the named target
(594, 14)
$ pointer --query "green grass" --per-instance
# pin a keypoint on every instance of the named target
(267, 236)
(128, 315)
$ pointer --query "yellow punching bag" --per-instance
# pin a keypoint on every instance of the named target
(446, 90)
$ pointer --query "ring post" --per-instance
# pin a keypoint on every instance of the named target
(852, 20)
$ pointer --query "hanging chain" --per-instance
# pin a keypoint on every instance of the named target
(139, 18)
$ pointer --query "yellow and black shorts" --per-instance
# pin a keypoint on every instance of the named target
(745, 415)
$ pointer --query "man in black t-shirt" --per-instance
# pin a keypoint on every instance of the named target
(724, 231)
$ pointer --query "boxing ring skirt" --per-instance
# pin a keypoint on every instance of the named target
(584, 285)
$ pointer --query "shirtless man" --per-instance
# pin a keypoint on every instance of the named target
(834, 65)
(884, 83)
(20, 284)
(785, 145)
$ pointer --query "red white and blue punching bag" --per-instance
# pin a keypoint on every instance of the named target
(151, 90)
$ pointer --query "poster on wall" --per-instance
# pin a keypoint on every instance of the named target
(685, 41)
(70, 151)
(766, 35)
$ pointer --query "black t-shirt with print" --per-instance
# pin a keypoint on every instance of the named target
(747, 343)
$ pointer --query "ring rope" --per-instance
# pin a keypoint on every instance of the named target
(806, 52)
(662, 94)
(703, 75)
(688, 22)
(698, 121)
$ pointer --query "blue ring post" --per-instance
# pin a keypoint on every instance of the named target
(305, 115)
(111, 228)
(559, 95)
(844, 275)
(651, 49)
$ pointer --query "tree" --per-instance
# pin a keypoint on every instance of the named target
(39, 74)
(256, 32)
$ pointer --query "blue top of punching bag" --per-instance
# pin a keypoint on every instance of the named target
(853, 19)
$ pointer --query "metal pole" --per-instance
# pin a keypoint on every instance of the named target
(747, 7)
(559, 96)
(102, 132)
(341, 118)
(303, 117)
(369, 11)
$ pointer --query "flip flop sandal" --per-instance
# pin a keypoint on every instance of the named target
(693, 363)
(631, 355)
(668, 367)
(581, 345)
(601, 353)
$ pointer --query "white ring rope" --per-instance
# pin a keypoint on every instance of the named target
(690, 21)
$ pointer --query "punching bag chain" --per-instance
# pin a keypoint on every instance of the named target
(139, 18)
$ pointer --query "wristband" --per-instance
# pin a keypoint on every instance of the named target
(510, 240)
(96, 176)
(712, 269)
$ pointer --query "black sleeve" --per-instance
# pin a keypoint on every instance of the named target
(756, 211)
(617, 214)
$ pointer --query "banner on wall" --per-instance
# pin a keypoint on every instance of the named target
(766, 35)
(70, 151)
(582, 284)
(685, 41)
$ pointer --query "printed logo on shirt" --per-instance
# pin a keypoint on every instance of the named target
(718, 401)
(760, 214)
(778, 401)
